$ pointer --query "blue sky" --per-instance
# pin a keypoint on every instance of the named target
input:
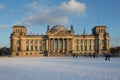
(37, 14)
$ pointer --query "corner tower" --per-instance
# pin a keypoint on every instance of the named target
(19, 30)
(17, 39)
(101, 39)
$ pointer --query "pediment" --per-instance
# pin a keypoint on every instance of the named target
(62, 33)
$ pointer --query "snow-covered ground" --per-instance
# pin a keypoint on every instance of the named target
(59, 68)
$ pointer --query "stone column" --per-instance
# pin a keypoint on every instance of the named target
(47, 44)
(78, 45)
(73, 45)
(62, 45)
(67, 44)
(38, 45)
(22, 45)
(107, 44)
(83, 45)
(50, 45)
(54, 45)
(34, 45)
(13, 45)
(58, 45)
(99, 45)
(91, 44)
(87, 44)
(29, 45)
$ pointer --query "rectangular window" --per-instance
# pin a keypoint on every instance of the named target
(103, 41)
(76, 41)
(40, 48)
(31, 42)
(40, 42)
(18, 48)
(27, 42)
(81, 48)
(36, 48)
(90, 47)
(85, 47)
(81, 41)
(31, 48)
(18, 42)
(76, 48)
(27, 48)
(85, 41)
(36, 42)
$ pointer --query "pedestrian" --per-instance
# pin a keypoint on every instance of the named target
(73, 55)
(105, 56)
(93, 55)
(76, 55)
(108, 56)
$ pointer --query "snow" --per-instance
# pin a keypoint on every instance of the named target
(59, 68)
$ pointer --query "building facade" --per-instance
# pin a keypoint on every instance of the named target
(59, 41)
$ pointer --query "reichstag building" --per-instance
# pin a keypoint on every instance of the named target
(59, 41)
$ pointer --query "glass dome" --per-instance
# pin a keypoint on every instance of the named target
(58, 28)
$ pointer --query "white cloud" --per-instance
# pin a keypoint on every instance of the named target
(46, 18)
(2, 6)
(3, 26)
(35, 6)
(42, 14)
(60, 14)
(73, 7)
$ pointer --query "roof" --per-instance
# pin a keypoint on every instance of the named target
(100, 26)
(21, 26)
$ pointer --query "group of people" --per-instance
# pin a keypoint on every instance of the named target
(75, 55)
(107, 56)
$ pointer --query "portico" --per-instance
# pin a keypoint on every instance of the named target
(59, 44)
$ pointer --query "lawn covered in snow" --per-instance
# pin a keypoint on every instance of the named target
(59, 68)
